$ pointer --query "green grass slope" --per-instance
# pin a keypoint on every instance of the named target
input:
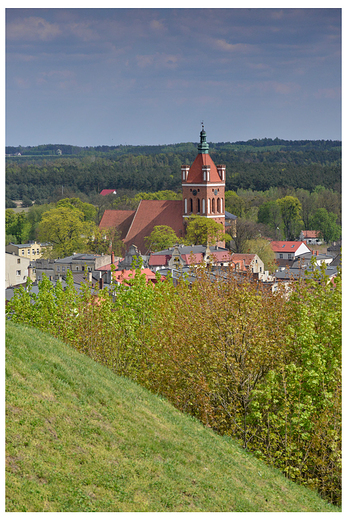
(79, 438)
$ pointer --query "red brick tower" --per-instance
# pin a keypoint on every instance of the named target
(203, 185)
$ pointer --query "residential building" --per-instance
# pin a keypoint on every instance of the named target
(183, 257)
(311, 237)
(287, 251)
(31, 250)
(76, 263)
(104, 193)
(16, 270)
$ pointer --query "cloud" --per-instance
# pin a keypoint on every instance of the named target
(21, 82)
(232, 47)
(157, 25)
(83, 31)
(277, 87)
(158, 60)
(23, 57)
(328, 93)
(144, 61)
(61, 79)
(32, 29)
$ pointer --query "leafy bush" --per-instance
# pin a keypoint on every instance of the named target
(262, 367)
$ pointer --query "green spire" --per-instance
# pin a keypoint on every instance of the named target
(203, 146)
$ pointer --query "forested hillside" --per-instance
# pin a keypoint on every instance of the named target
(41, 175)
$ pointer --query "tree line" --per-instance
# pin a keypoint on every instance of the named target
(297, 164)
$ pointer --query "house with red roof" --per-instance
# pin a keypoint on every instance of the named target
(286, 250)
(203, 187)
(186, 256)
(108, 192)
(125, 276)
(311, 237)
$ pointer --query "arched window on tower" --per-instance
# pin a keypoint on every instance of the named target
(209, 206)
(190, 205)
(218, 205)
(213, 206)
(198, 201)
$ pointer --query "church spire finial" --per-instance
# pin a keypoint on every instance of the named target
(203, 146)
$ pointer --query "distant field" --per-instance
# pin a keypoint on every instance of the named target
(79, 438)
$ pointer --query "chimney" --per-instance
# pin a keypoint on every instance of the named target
(90, 274)
(101, 283)
(112, 257)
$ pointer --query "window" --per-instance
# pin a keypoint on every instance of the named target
(38, 251)
(18, 273)
(281, 255)
(63, 269)
(18, 260)
(58, 269)
(23, 252)
(33, 251)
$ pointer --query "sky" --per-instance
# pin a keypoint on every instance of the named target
(148, 76)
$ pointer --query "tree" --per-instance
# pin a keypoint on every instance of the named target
(202, 230)
(270, 214)
(245, 231)
(325, 223)
(291, 215)
(10, 203)
(161, 238)
(17, 226)
(262, 248)
(26, 202)
(88, 210)
(330, 200)
(34, 216)
(234, 204)
(308, 205)
(66, 230)
(106, 240)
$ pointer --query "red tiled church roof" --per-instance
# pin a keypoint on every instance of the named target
(152, 213)
(195, 174)
(121, 219)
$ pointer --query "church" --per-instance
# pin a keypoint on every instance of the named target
(203, 188)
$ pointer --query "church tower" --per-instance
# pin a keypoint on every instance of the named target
(203, 185)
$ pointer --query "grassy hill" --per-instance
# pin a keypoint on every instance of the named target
(79, 438)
